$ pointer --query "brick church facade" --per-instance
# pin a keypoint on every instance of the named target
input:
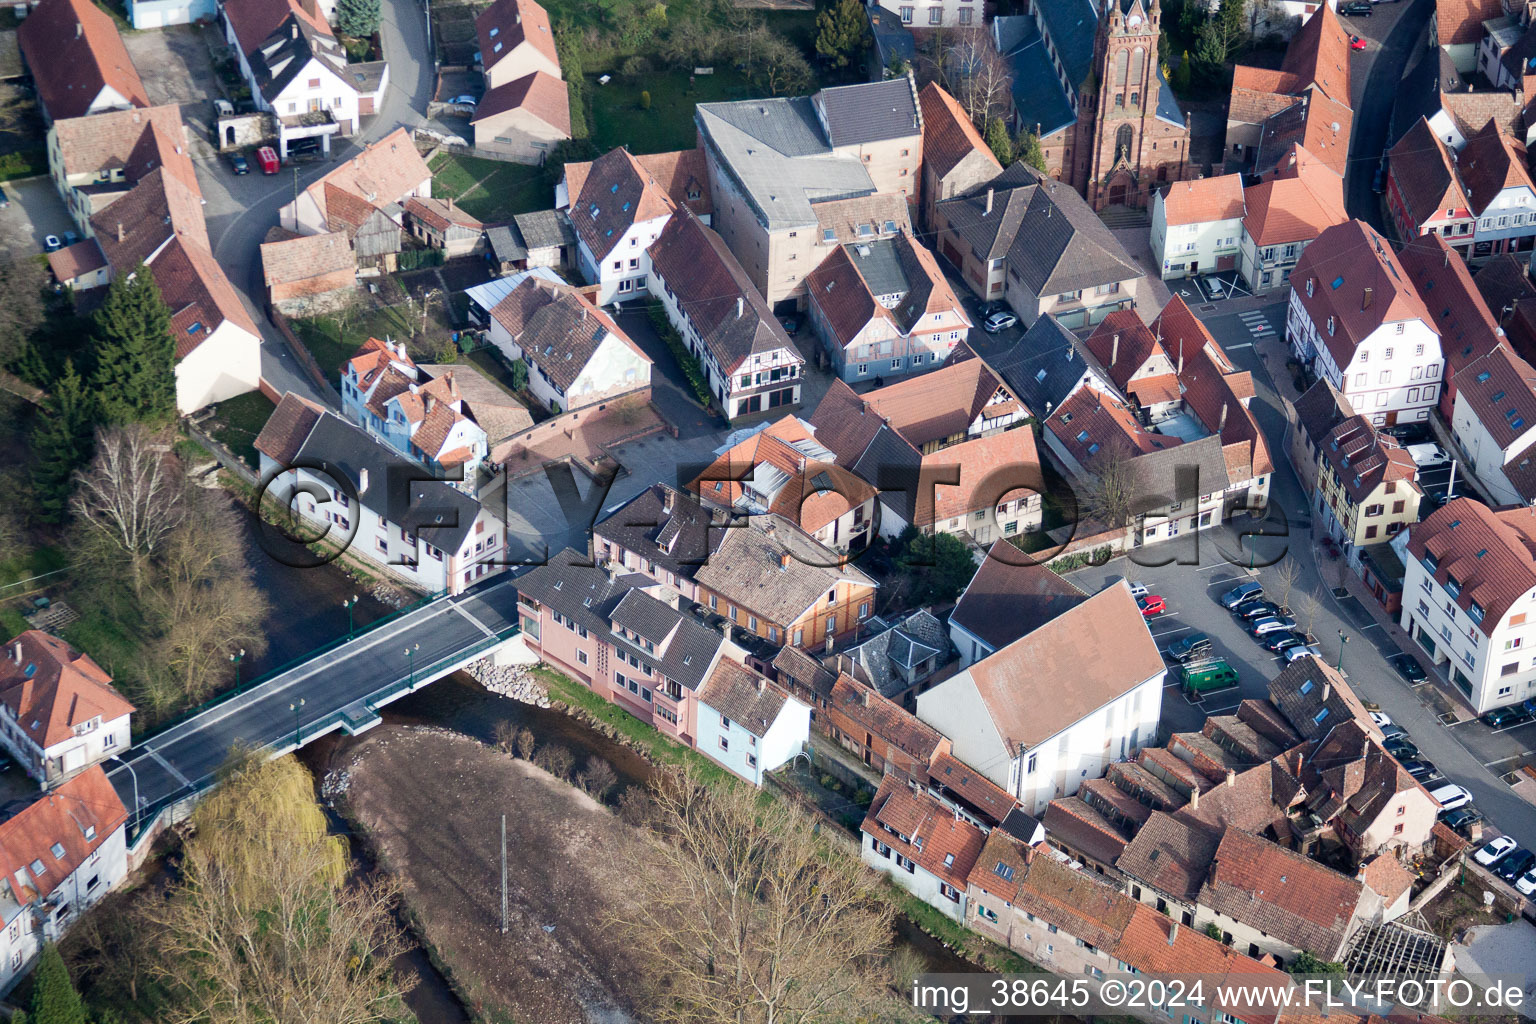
(1120, 135)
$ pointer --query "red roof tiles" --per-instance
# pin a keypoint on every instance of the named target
(51, 688)
(74, 52)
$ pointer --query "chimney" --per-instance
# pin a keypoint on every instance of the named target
(1231, 777)
(864, 696)
(79, 29)
(1365, 747)
(988, 210)
(1114, 349)
(1222, 425)
(1194, 797)
(362, 481)
(119, 232)
(666, 501)
(1365, 300)
(1173, 932)
(741, 306)
(762, 683)
(449, 201)
(294, 30)
(1327, 689)
(784, 560)
(18, 652)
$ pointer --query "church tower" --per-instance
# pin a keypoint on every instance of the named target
(1124, 149)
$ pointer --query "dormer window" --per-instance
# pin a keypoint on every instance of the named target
(57, 849)
(38, 869)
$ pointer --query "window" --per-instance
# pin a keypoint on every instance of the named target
(906, 15)
(1397, 829)
(935, 15)
(1317, 719)
(965, 16)
(581, 657)
(725, 744)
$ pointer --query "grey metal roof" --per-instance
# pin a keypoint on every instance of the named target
(779, 157)
(891, 464)
(394, 488)
(1044, 366)
(506, 242)
(1038, 94)
(1167, 103)
(869, 112)
(1071, 24)
(880, 265)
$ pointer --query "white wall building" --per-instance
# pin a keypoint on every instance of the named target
(1493, 420)
(1039, 720)
(1197, 226)
(935, 13)
(1473, 613)
(58, 711)
(923, 843)
(747, 724)
(1357, 320)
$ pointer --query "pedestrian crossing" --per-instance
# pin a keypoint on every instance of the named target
(1258, 324)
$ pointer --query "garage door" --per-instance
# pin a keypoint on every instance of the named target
(143, 18)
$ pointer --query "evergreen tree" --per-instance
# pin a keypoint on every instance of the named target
(938, 567)
(999, 142)
(135, 352)
(841, 31)
(1027, 148)
(358, 18)
(54, 999)
(61, 443)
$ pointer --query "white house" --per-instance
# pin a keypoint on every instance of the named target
(1357, 320)
(576, 354)
(747, 724)
(749, 362)
(935, 13)
(1197, 226)
(60, 855)
(58, 711)
(1469, 598)
(1038, 719)
(1493, 419)
(368, 498)
(515, 41)
(1503, 198)
(421, 416)
(618, 213)
(922, 843)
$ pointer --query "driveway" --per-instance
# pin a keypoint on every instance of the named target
(175, 67)
(1397, 27)
(35, 211)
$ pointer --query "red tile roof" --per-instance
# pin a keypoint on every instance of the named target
(74, 52)
(1423, 172)
(993, 469)
(385, 172)
(76, 260)
(1125, 346)
(538, 92)
(1468, 329)
(199, 295)
(1091, 424)
(1316, 124)
(1460, 22)
(1491, 554)
(287, 428)
(51, 688)
(255, 20)
(1500, 389)
(1319, 55)
(1284, 894)
(1386, 877)
(440, 214)
(937, 405)
(948, 134)
(105, 141)
(1362, 459)
(1204, 200)
(305, 257)
(80, 816)
(618, 193)
(506, 24)
(1358, 281)
(1294, 209)
(938, 840)
(1490, 163)
(682, 174)
(883, 719)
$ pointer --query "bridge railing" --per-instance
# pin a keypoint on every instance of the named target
(288, 666)
(385, 694)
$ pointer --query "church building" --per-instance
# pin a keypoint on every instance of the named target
(1088, 80)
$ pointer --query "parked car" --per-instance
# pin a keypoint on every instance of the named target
(1427, 455)
(1514, 864)
(1380, 718)
(1526, 883)
(51, 243)
(1379, 181)
(301, 147)
(1392, 731)
(223, 108)
(1401, 749)
(1280, 641)
(1256, 610)
(1271, 624)
(1407, 666)
(1498, 718)
(1450, 797)
(1195, 645)
(1238, 594)
(266, 156)
(1355, 8)
(5, 200)
(466, 100)
(1356, 43)
(790, 324)
(1151, 605)
(1495, 850)
(1298, 651)
(1462, 818)
(239, 164)
(999, 321)
(1421, 769)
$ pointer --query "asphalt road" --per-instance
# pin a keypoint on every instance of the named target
(1373, 116)
(240, 210)
(1199, 571)
(188, 754)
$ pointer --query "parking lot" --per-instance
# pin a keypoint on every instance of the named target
(36, 211)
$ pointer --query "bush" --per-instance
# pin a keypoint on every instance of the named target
(23, 164)
(634, 806)
(645, 99)
(555, 759)
(634, 67)
(597, 778)
(522, 743)
(691, 368)
(416, 259)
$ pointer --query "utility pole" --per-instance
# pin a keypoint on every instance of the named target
(503, 874)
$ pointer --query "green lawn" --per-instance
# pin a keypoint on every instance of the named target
(489, 190)
(331, 346)
(617, 119)
(236, 423)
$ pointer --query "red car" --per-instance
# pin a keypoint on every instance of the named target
(1356, 43)
(1151, 605)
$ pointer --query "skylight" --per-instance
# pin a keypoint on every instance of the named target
(1338, 281)
(1483, 376)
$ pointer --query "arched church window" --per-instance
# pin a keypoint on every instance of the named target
(1123, 143)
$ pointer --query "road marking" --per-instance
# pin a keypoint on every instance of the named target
(1251, 314)
(1511, 757)
(169, 767)
(1217, 711)
(1246, 344)
(461, 610)
(1374, 625)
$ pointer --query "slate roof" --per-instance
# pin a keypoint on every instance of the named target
(1045, 348)
(617, 194)
(685, 648)
(939, 841)
(1286, 895)
(1424, 172)
(776, 153)
(1320, 409)
(893, 40)
(1306, 688)
(746, 569)
(1037, 92)
(852, 286)
(1180, 473)
(584, 593)
(286, 53)
(438, 513)
(1010, 597)
(538, 93)
(670, 528)
(867, 112)
(1468, 328)
(544, 229)
(1343, 262)
(905, 644)
(74, 51)
(1071, 24)
(50, 688)
(506, 24)
(1019, 684)
(1171, 854)
(715, 294)
(948, 134)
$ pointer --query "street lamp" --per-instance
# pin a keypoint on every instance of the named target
(349, 605)
(237, 658)
(296, 708)
(410, 655)
(137, 803)
(1342, 641)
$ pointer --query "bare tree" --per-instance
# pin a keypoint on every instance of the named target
(1307, 608)
(264, 925)
(597, 777)
(555, 759)
(1112, 495)
(745, 914)
(979, 76)
(203, 600)
(132, 496)
(1286, 575)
